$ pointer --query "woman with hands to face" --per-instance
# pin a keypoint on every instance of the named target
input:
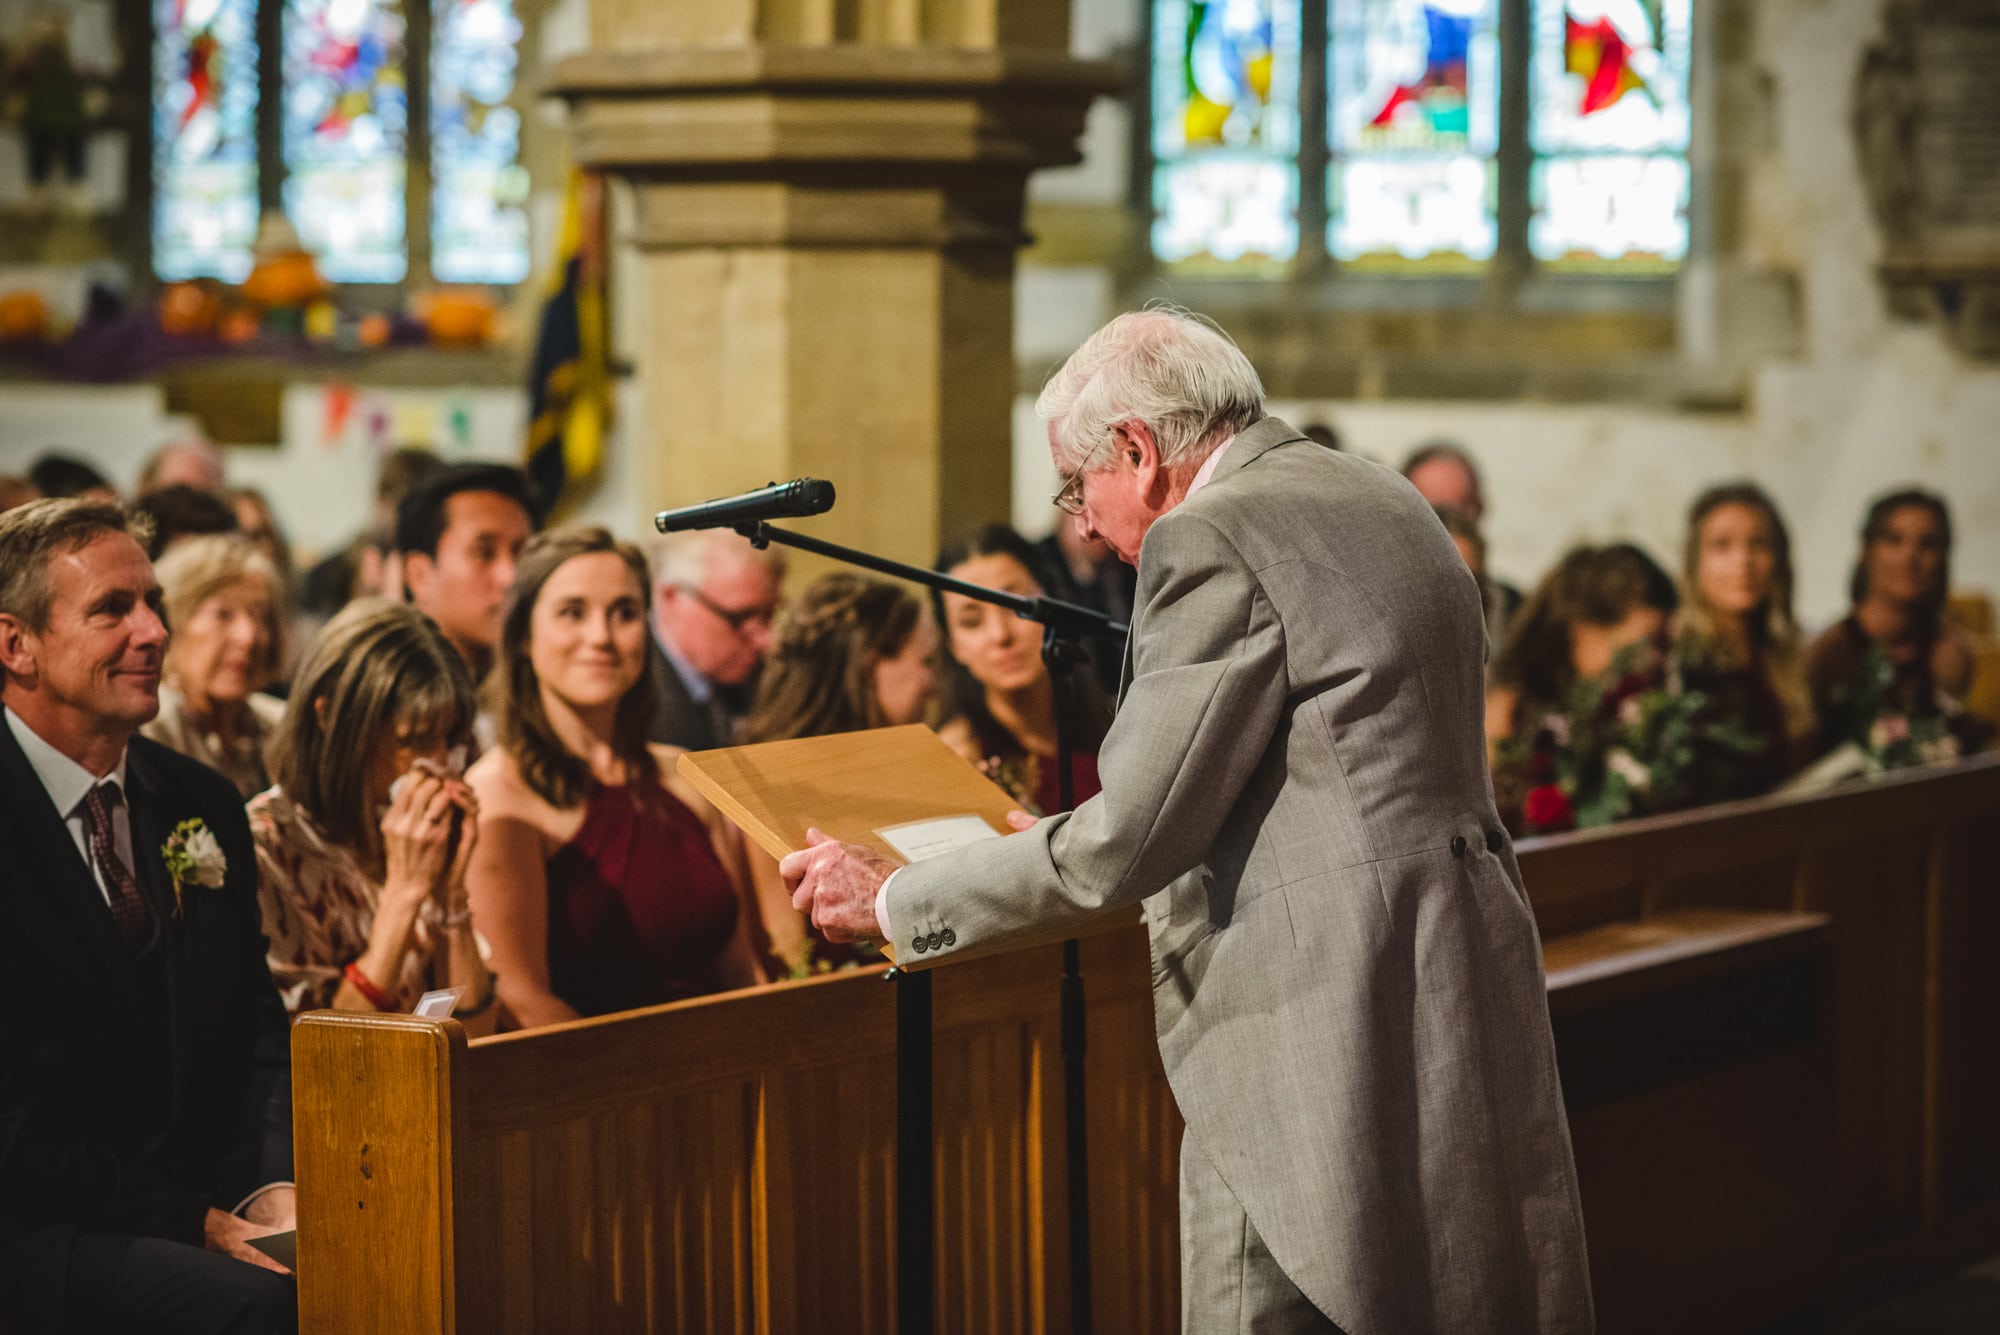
(362, 868)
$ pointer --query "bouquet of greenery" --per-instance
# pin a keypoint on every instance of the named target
(1630, 742)
(1895, 720)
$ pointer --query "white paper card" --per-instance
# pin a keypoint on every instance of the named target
(437, 1005)
(922, 839)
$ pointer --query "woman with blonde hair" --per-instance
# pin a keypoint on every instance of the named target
(363, 845)
(604, 881)
(224, 602)
(1736, 642)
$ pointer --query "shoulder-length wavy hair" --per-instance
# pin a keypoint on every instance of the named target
(551, 769)
(378, 670)
(820, 678)
(1931, 611)
(1595, 586)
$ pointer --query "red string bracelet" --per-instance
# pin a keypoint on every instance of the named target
(376, 997)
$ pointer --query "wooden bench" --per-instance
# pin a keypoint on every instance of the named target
(1774, 1022)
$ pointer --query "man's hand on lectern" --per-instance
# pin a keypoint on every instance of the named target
(835, 884)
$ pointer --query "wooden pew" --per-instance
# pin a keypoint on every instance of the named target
(1770, 1019)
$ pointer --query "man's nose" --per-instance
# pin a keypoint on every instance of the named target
(1084, 527)
(149, 627)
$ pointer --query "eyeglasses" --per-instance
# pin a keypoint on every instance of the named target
(760, 617)
(1069, 497)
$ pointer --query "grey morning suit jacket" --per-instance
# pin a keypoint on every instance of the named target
(1346, 976)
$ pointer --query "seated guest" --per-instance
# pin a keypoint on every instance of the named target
(1085, 571)
(1595, 603)
(178, 513)
(1500, 603)
(363, 844)
(256, 521)
(604, 881)
(1444, 474)
(59, 475)
(1584, 718)
(853, 653)
(222, 599)
(360, 569)
(1001, 705)
(16, 491)
(715, 599)
(1736, 643)
(193, 463)
(148, 1076)
(459, 533)
(1890, 676)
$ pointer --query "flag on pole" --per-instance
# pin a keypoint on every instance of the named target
(569, 388)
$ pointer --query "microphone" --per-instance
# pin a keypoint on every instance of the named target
(779, 500)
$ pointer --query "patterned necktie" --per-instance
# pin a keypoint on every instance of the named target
(128, 905)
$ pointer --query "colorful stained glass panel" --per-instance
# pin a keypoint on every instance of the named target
(1225, 133)
(346, 122)
(204, 138)
(1609, 125)
(479, 221)
(1414, 120)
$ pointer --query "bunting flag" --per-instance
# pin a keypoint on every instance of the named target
(1603, 58)
(569, 388)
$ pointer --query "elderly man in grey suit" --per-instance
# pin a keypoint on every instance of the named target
(1346, 974)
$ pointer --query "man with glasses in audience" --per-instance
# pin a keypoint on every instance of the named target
(715, 598)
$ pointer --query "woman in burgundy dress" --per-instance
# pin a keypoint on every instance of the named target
(602, 880)
(1001, 703)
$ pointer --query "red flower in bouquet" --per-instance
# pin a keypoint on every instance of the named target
(1547, 808)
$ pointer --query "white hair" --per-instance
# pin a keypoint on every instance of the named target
(1164, 366)
(684, 558)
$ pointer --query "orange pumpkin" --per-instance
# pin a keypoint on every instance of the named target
(24, 318)
(283, 282)
(458, 317)
(190, 308)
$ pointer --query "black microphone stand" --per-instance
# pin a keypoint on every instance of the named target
(1063, 625)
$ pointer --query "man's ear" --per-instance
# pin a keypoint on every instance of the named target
(17, 648)
(412, 572)
(1140, 447)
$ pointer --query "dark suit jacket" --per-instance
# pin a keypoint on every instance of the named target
(677, 719)
(100, 1130)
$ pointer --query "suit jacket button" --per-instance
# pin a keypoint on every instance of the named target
(934, 940)
(949, 937)
(1495, 841)
(1458, 845)
(918, 944)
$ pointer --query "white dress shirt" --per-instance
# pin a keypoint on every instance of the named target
(67, 784)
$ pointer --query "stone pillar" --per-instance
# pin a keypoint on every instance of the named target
(829, 201)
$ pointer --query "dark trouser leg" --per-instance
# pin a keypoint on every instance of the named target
(1230, 1283)
(149, 1284)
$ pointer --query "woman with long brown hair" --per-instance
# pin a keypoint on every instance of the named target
(1001, 701)
(1735, 639)
(1895, 656)
(603, 880)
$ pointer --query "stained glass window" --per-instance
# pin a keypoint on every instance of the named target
(1225, 133)
(1609, 127)
(1414, 122)
(346, 120)
(204, 138)
(479, 225)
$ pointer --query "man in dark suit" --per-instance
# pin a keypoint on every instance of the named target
(715, 598)
(148, 1082)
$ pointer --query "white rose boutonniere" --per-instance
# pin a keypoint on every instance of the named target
(194, 857)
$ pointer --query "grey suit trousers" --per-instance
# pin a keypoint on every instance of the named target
(1230, 1282)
